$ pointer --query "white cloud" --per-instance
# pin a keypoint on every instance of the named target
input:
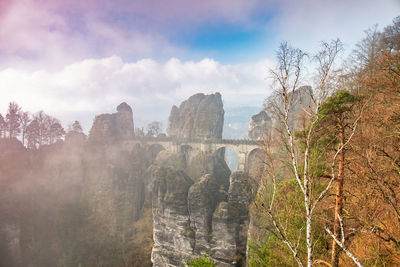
(94, 86)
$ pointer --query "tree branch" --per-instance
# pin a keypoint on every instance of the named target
(345, 249)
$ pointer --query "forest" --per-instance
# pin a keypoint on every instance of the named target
(330, 195)
(326, 194)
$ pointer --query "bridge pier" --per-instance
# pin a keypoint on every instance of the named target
(242, 158)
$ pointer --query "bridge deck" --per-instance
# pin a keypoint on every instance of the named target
(197, 140)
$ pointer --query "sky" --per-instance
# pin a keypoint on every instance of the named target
(78, 58)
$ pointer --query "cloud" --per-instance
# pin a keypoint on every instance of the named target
(95, 86)
(52, 33)
(306, 23)
(158, 12)
(58, 36)
(31, 33)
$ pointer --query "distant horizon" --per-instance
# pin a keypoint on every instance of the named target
(139, 122)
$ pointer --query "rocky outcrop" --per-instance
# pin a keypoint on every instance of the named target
(199, 164)
(108, 128)
(203, 199)
(302, 101)
(301, 105)
(210, 211)
(211, 215)
(230, 223)
(259, 125)
(115, 174)
(172, 235)
(201, 116)
(117, 180)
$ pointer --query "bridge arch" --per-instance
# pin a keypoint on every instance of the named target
(242, 148)
(230, 157)
(154, 149)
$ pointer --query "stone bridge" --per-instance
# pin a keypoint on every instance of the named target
(243, 148)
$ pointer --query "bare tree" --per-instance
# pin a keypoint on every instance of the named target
(2, 127)
(13, 120)
(46, 122)
(154, 128)
(56, 131)
(139, 132)
(41, 119)
(25, 119)
(287, 78)
(33, 134)
(47, 129)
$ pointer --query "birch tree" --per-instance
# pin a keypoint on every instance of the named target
(288, 77)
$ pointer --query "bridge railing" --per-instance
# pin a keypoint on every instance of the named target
(196, 140)
(154, 139)
(237, 141)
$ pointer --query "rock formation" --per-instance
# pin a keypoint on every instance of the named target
(171, 221)
(230, 223)
(198, 205)
(103, 201)
(117, 181)
(302, 101)
(259, 125)
(201, 116)
(190, 219)
(108, 128)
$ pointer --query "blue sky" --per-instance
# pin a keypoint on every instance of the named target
(75, 58)
(227, 43)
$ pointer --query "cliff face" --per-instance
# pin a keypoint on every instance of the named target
(171, 221)
(190, 219)
(117, 183)
(115, 180)
(210, 211)
(201, 116)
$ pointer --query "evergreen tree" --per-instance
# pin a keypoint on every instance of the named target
(76, 127)
(336, 112)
